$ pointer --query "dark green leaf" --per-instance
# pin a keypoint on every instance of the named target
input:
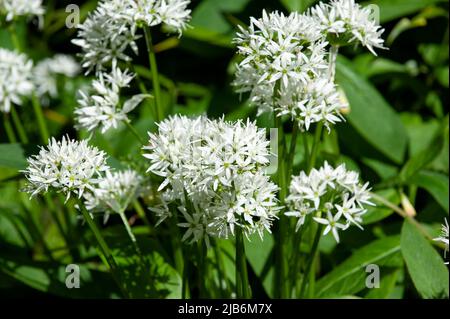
(426, 267)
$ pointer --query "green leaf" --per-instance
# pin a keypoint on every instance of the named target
(349, 277)
(12, 156)
(425, 266)
(258, 255)
(393, 9)
(297, 5)
(377, 213)
(434, 183)
(425, 157)
(371, 115)
(387, 286)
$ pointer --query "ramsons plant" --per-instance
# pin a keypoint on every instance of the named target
(201, 185)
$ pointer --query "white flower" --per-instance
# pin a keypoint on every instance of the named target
(173, 13)
(46, 71)
(113, 192)
(17, 8)
(107, 33)
(444, 236)
(214, 169)
(102, 107)
(66, 166)
(346, 22)
(284, 68)
(332, 224)
(15, 78)
(335, 192)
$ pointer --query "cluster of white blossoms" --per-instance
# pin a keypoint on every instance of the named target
(334, 197)
(46, 72)
(66, 166)
(444, 236)
(113, 192)
(214, 172)
(106, 34)
(345, 22)
(16, 81)
(285, 69)
(19, 8)
(102, 108)
(288, 65)
(110, 30)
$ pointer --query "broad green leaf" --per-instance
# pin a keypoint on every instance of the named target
(12, 156)
(258, 255)
(51, 278)
(425, 157)
(434, 183)
(371, 115)
(298, 5)
(349, 277)
(387, 286)
(393, 9)
(425, 266)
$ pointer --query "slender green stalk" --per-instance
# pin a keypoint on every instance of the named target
(291, 155)
(202, 275)
(176, 244)
(185, 291)
(9, 129)
(155, 75)
(220, 271)
(311, 258)
(134, 132)
(14, 38)
(317, 136)
(141, 213)
(19, 127)
(332, 62)
(43, 130)
(242, 285)
(104, 249)
(306, 149)
(54, 212)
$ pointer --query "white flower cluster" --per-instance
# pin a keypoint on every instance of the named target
(213, 170)
(107, 32)
(17, 8)
(113, 192)
(173, 13)
(15, 78)
(285, 69)
(286, 66)
(67, 166)
(332, 196)
(345, 22)
(444, 236)
(103, 108)
(46, 71)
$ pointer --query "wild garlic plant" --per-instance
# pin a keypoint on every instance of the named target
(204, 181)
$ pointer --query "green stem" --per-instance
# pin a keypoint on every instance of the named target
(104, 248)
(141, 213)
(155, 75)
(201, 276)
(19, 127)
(242, 285)
(134, 132)
(222, 275)
(281, 233)
(306, 149)
(317, 136)
(43, 130)
(291, 155)
(14, 38)
(312, 256)
(9, 129)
